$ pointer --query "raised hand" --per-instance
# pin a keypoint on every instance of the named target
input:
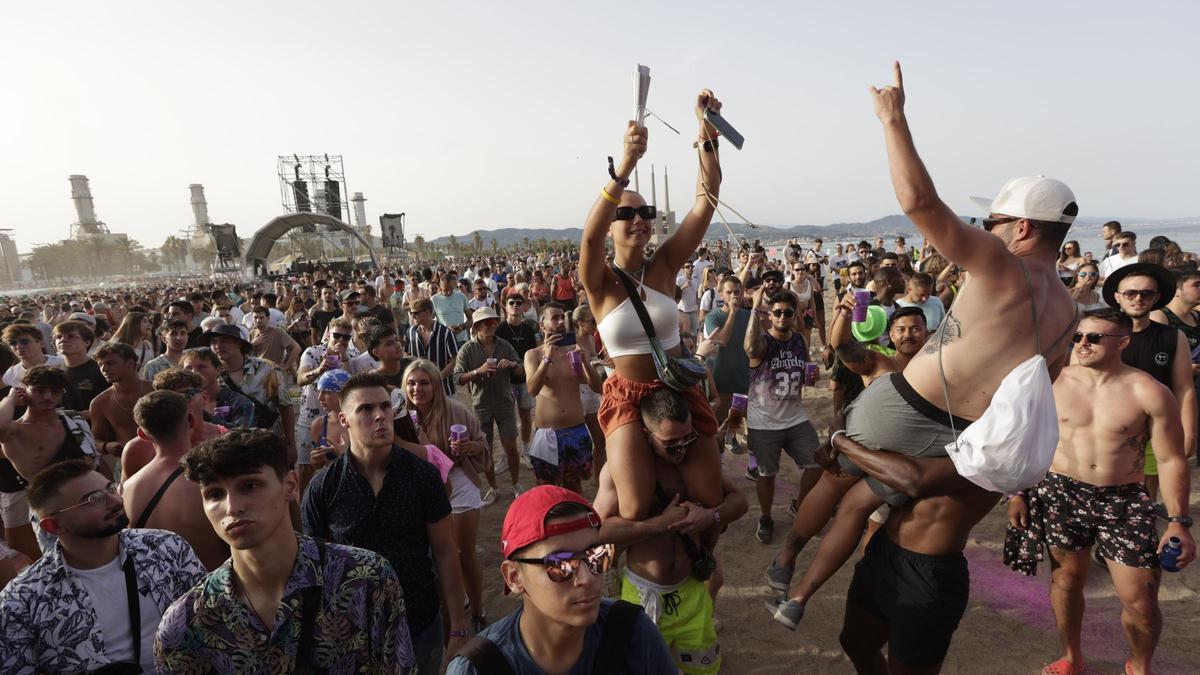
(889, 101)
(705, 100)
(635, 146)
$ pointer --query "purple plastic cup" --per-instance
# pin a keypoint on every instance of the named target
(861, 300)
(811, 371)
(738, 402)
(458, 432)
(412, 414)
(335, 361)
(221, 411)
(576, 362)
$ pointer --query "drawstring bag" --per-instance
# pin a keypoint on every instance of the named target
(1010, 447)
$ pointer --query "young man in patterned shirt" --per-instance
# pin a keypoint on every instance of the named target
(342, 607)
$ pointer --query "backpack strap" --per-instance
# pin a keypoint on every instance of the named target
(486, 657)
(614, 641)
(162, 490)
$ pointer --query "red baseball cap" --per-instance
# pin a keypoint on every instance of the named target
(525, 522)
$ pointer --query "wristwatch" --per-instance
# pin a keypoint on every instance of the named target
(1185, 521)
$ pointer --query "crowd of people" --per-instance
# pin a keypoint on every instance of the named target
(288, 475)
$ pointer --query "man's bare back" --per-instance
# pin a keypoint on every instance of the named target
(181, 509)
(1104, 423)
(138, 452)
(989, 332)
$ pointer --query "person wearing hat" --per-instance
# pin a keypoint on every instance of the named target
(554, 559)
(327, 436)
(348, 300)
(257, 379)
(775, 418)
(1013, 308)
(485, 365)
(1157, 349)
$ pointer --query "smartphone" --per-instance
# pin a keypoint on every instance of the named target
(725, 128)
(567, 340)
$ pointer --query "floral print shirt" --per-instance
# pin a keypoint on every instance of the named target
(360, 628)
(47, 621)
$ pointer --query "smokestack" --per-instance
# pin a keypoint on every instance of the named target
(666, 191)
(360, 209)
(653, 188)
(82, 196)
(199, 205)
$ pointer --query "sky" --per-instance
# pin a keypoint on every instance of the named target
(477, 115)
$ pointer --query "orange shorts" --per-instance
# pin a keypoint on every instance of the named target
(619, 406)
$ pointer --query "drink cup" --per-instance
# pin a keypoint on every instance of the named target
(458, 432)
(221, 411)
(1169, 559)
(738, 402)
(412, 414)
(492, 363)
(576, 362)
(335, 361)
(861, 300)
(811, 372)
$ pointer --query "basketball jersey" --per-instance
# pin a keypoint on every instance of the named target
(776, 384)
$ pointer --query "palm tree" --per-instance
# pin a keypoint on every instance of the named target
(477, 239)
(525, 242)
(453, 245)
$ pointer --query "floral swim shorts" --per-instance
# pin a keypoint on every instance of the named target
(1118, 517)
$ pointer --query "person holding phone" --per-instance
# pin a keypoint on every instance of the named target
(624, 216)
(333, 354)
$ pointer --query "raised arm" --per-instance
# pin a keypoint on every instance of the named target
(676, 249)
(853, 354)
(600, 218)
(755, 342)
(918, 198)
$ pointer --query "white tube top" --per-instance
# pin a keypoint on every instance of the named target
(623, 333)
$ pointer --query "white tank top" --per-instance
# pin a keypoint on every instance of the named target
(623, 333)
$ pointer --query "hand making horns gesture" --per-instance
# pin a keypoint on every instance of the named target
(889, 101)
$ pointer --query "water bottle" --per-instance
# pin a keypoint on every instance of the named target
(1169, 558)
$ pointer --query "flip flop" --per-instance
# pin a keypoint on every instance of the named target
(1063, 667)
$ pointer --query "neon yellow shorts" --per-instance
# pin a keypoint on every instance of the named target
(686, 624)
(1151, 466)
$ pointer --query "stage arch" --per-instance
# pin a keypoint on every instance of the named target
(265, 238)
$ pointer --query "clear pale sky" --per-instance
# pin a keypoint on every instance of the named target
(475, 115)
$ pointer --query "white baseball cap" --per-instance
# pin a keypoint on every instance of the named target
(1035, 198)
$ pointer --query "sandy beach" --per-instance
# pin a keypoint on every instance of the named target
(1008, 626)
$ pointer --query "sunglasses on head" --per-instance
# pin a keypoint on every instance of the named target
(1092, 338)
(647, 212)
(564, 565)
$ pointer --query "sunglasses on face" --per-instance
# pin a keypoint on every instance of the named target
(1089, 274)
(564, 565)
(1145, 294)
(990, 223)
(647, 212)
(1123, 244)
(22, 341)
(1092, 338)
(789, 313)
(677, 448)
(341, 336)
(516, 303)
(96, 498)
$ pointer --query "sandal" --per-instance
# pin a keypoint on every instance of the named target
(1062, 667)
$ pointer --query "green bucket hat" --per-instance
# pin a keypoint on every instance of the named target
(873, 327)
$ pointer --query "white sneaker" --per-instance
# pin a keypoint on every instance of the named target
(525, 461)
(489, 497)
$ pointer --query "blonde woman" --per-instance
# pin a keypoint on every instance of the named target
(435, 413)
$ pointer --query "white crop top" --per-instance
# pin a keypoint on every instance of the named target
(623, 333)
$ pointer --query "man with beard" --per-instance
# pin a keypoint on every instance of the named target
(1157, 349)
(775, 418)
(111, 412)
(44, 435)
(856, 276)
(114, 584)
(1095, 492)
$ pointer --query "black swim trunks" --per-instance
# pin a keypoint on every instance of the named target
(1119, 517)
(920, 597)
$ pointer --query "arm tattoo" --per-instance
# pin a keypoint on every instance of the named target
(949, 331)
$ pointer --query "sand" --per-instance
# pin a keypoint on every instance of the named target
(1008, 626)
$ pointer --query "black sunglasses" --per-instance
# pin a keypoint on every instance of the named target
(341, 336)
(1144, 294)
(679, 447)
(989, 223)
(1092, 338)
(789, 313)
(647, 212)
(564, 565)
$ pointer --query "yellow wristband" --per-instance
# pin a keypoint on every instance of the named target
(609, 198)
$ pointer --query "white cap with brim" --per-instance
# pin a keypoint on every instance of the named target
(1035, 198)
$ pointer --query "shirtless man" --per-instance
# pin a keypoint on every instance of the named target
(164, 419)
(561, 448)
(658, 562)
(1096, 493)
(1013, 306)
(140, 450)
(42, 436)
(112, 410)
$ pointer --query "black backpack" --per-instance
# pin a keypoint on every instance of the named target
(618, 629)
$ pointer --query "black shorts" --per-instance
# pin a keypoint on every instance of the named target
(920, 597)
(1119, 517)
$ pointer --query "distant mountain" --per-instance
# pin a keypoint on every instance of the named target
(886, 226)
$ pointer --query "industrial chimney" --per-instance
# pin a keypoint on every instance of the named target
(360, 210)
(199, 205)
(82, 196)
